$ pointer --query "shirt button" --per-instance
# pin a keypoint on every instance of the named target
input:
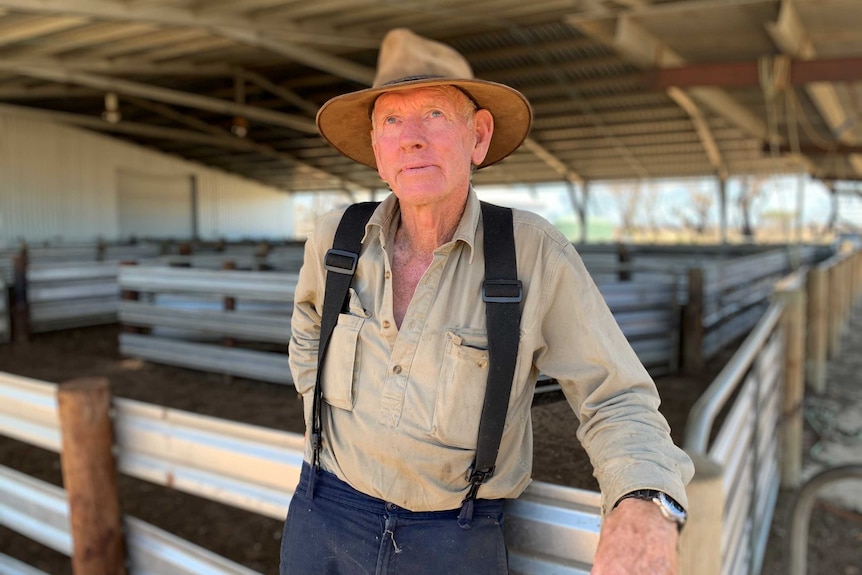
(396, 370)
(388, 275)
(386, 323)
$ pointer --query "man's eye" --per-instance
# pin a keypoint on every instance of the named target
(390, 120)
(435, 114)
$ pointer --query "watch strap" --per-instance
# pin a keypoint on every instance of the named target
(670, 508)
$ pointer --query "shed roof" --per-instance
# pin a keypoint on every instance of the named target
(620, 88)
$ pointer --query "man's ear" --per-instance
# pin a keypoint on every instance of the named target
(484, 126)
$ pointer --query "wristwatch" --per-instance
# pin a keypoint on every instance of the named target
(670, 509)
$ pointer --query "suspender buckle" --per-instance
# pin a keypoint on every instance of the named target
(502, 291)
(340, 261)
(479, 476)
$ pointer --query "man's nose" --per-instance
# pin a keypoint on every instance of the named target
(412, 133)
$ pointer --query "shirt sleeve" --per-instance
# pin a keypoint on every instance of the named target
(613, 396)
(305, 322)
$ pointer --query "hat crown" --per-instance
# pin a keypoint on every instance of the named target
(406, 56)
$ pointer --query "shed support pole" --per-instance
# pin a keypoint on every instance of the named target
(722, 208)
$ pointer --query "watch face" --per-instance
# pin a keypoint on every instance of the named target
(670, 508)
(673, 504)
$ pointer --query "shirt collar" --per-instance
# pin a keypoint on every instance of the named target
(387, 215)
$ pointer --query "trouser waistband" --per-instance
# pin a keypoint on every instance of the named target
(330, 487)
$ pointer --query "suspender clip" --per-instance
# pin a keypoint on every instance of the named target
(479, 476)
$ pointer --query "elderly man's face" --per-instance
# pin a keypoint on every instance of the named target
(425, 141)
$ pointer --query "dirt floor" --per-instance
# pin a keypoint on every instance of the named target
(253, 540)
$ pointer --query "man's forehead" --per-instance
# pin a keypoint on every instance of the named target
(441, 94)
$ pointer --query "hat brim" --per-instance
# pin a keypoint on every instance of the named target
(345, 121)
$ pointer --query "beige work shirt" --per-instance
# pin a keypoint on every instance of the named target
(401, 406)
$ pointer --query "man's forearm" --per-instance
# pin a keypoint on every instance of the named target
(636, 539)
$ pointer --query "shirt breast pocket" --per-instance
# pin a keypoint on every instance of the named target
(341, 364)
(461, 389)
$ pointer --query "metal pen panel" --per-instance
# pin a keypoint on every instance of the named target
(28, 411)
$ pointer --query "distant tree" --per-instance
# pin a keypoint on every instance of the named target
(781, 219)
(751, 188)
(627, 199)
(650, 201)
(695, 215)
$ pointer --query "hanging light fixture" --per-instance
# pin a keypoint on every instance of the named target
(112, 108)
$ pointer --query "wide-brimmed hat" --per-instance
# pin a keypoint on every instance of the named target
(408, 61)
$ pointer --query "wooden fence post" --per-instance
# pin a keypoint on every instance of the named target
(229, 305)
(692, 323)
(101, 249)
(130, 295)
(184, 249)
(858, 281)
(700, 542)
(835, 319)
(261, 252)
(817, 341)
(624, 259)
(21, 305)
(793, 320)
(90, 477)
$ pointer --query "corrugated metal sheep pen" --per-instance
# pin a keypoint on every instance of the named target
(551, 529)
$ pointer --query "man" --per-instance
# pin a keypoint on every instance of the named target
(405, 371)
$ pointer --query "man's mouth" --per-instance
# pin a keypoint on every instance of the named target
(417, 167)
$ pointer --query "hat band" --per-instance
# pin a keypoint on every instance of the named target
(410, 79)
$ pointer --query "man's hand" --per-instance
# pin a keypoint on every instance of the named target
(636, 540)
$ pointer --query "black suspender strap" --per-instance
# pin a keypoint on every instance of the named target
(340, 263)
(502, 293)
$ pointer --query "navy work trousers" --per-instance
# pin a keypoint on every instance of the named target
(341, 531)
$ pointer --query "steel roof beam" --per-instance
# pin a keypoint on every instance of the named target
(627, 37)
(746, 74)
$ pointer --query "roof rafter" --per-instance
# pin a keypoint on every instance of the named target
(790, 36)
(166, 95)
(637, 45)
(124, 66)
(170, 15)
(278, 38)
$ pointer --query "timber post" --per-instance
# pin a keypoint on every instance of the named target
(128, 295)
(793, 320)
(835, 311)
(21, 305)
(90, 477)
(817, 340)
(229, 306)
(692, 324)
(624, 260)
(700, 540)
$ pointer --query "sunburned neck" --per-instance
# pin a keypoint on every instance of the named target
(423, 231)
